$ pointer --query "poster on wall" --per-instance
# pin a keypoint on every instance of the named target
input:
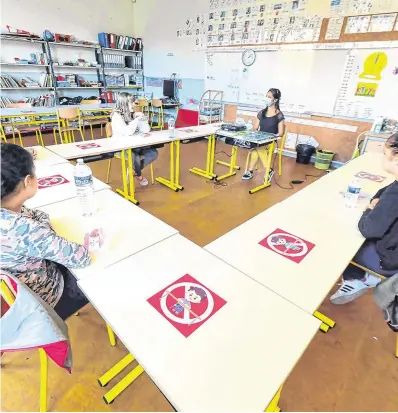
(382, 22)
(335, 25)
(357, 24)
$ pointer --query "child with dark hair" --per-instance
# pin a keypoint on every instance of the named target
(30, 248)
(379, 225)
(271, 120)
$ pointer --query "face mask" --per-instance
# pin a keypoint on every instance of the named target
(268, 102)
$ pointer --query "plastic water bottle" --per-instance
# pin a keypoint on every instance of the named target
(172, 124)
(352, 194)
(84, 187)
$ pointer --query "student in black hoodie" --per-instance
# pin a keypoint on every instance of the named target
(379, 225)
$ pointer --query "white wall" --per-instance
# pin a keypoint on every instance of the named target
(157, 22)
(82, 18)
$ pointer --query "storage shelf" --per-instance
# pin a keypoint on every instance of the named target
(84, 46)
(26, 88)
(20, 39)
(122, 50)
(22, 65)
(126, 69)
(80, 87)
(124, 87)
(75, 67)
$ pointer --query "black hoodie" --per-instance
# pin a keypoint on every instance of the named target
(381, 225)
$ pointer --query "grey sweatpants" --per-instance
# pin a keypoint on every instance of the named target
(142, 158)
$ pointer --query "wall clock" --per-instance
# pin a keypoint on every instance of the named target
(248, 57)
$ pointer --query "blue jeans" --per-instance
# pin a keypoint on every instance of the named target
(367, 257)
(142, 158)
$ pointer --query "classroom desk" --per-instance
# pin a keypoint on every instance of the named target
(126, 228)
(106, 148)
(316, 214)
(63, 186)
(46, 157)
(235, 361)
(325, 195)
(44, 110)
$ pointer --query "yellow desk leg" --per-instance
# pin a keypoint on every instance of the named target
(228, 164)
(123, 384)
(115, 370)
(111, 336)
(325, 320)
(273, 406)
(232, 165)
(128, 191)
(266, 184)
(396, 348)
(43, 380)
(207, 173)
(173, 181)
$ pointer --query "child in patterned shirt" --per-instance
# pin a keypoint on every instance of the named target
(30, 248)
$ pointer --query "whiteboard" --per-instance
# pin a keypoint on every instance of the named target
(306, 78)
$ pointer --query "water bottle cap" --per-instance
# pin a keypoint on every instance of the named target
(80, 160)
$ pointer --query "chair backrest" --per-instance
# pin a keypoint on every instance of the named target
(157, 103)
(68, 113)
(18, 105)
(108, 130)
(32, 323)
(187, 118)
(143, 102)
(89, 102)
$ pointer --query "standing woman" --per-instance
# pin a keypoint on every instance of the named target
(271, 120)
(125, 122)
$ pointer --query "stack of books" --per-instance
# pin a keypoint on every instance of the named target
(115, 41)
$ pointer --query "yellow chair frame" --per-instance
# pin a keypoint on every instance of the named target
(64, 117)
(157, 104)
(90, 122)
(9, 298)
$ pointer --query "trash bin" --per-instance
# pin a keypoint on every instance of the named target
(304, 153)
(323, 159)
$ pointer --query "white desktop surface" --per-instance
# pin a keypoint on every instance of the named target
(127, 228)
(58, 193)
(235, 361)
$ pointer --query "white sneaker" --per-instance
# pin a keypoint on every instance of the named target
(371, 280)
(349, 291)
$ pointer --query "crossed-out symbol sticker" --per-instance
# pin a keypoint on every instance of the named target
(186, 304)
(54, 180)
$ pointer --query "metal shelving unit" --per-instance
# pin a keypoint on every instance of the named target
(52, 66)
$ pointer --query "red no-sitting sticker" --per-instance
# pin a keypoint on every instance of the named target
(186, 304)
(288, 245)
(371, 177)
(49, 181)
(88, 145)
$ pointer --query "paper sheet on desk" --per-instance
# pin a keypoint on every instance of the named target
(97, 232)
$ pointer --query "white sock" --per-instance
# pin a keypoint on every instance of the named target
(371, 280)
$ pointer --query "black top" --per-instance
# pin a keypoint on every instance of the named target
(269, 124)
(381, 225)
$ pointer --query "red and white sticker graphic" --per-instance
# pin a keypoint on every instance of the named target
(49, 181)
(88, 145)
(94, 240)
(288, 245)
(371, 177)
(186, 304)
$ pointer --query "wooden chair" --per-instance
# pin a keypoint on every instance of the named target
(157, 109)
(144, 106)
(9, 297)
(25, 128)
(64, 118)
(108, 129)
(91, 122)
(381, 277)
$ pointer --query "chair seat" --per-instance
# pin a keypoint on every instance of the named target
(66, 128)
(26, 128)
